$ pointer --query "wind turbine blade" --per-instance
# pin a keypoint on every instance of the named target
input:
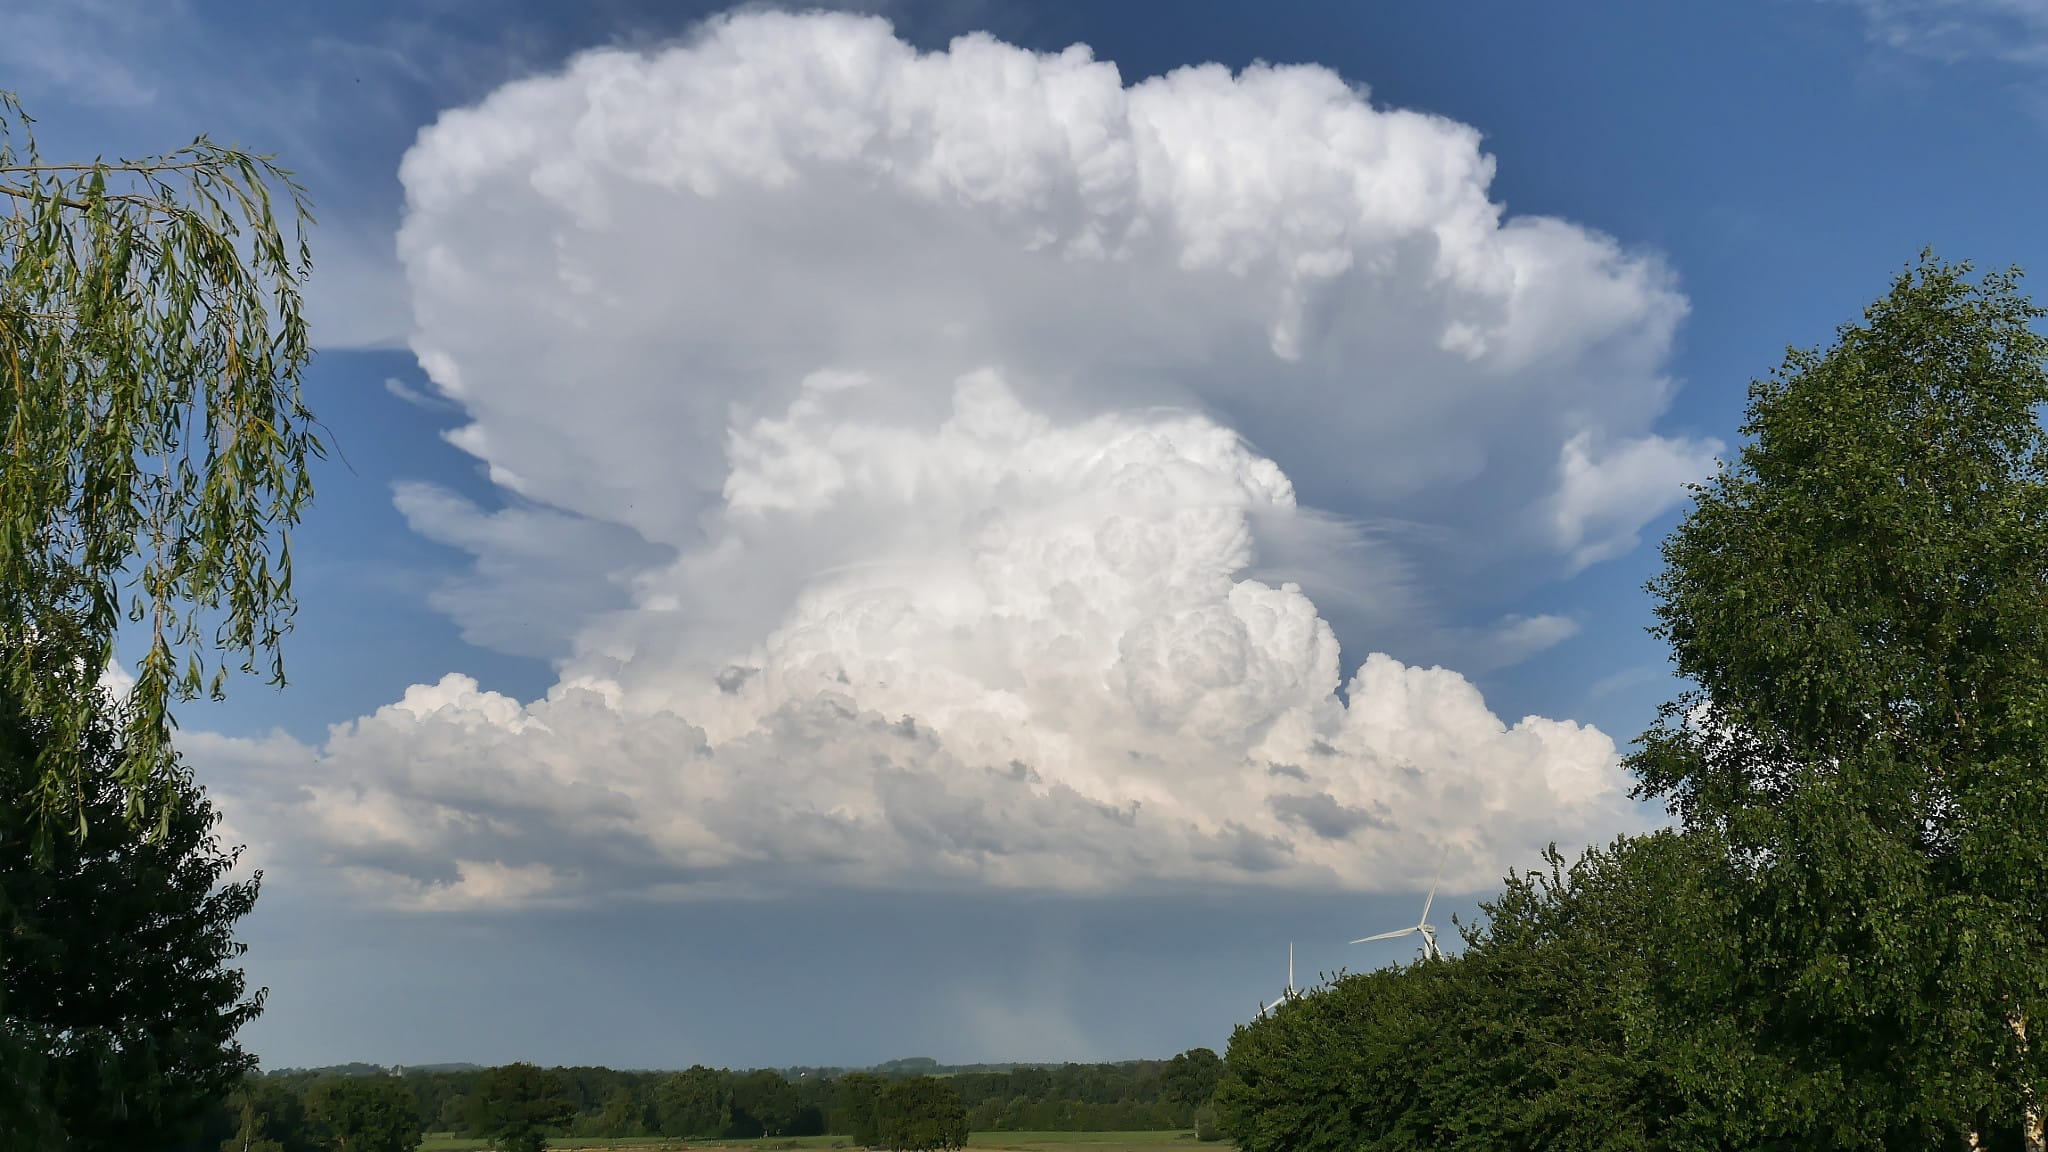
(1439, 879)
(1395, 934)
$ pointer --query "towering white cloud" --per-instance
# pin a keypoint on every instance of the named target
(1012, 651)
(902, 452)
(667, 237)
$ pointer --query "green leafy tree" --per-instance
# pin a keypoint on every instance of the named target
(155, 440)
(763, 1104)
(117, 972)
(859, 1100)
(518, 1106)
(152, 461)
(1538, 1035)
(1857, 601)
(26, 1122)
(624, 1114)
(694, 1102)
(1191, 1077)
(368, 1113)
(453, 1114)
(1545, 1033)
(268, 1116)
(921, 1114)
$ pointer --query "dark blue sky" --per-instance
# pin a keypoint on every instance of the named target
(1783, 158)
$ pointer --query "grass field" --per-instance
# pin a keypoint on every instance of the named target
(994, 1141)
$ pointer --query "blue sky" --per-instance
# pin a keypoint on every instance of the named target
(823, 708)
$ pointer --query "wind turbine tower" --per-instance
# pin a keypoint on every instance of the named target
(1291, 993)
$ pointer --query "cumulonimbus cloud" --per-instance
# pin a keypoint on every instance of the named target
(900, 408)
(1022, 653)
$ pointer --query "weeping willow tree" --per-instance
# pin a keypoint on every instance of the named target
(153, 453)
(156, 441)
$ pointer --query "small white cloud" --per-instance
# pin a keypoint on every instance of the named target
(414, 396)
(1523, 636)
(1606, 496)
(116, 680)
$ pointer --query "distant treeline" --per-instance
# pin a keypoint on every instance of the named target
(705, 1102)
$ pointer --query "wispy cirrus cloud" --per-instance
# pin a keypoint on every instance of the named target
(2014, 31)
(337, 101)
(91, 50)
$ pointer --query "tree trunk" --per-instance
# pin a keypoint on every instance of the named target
(2032, 1136)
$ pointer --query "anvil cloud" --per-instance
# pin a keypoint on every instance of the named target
(911, 464)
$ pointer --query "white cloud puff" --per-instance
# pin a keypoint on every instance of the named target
(1604, 497)
(907, 455)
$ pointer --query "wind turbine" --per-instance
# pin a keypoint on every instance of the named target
(1421, 927)
(1290, 993)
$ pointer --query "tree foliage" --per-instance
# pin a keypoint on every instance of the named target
(625, 1114)
(1192, 1076)
(921, 1114)
(153, 438)
(1530, 1039)
(763, 1104)
(117, 950)
(26, 1122)
(694, 1102)
(367, 1114)
(519, 1106)
(267, 1116)
(1857, 599)
(859, 1101)
(1843, 945)
(714, 1103)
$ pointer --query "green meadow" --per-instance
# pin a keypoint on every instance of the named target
(995, 1141)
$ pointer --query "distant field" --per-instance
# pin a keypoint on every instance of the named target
(1006, 1141)
(1095, 1141)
